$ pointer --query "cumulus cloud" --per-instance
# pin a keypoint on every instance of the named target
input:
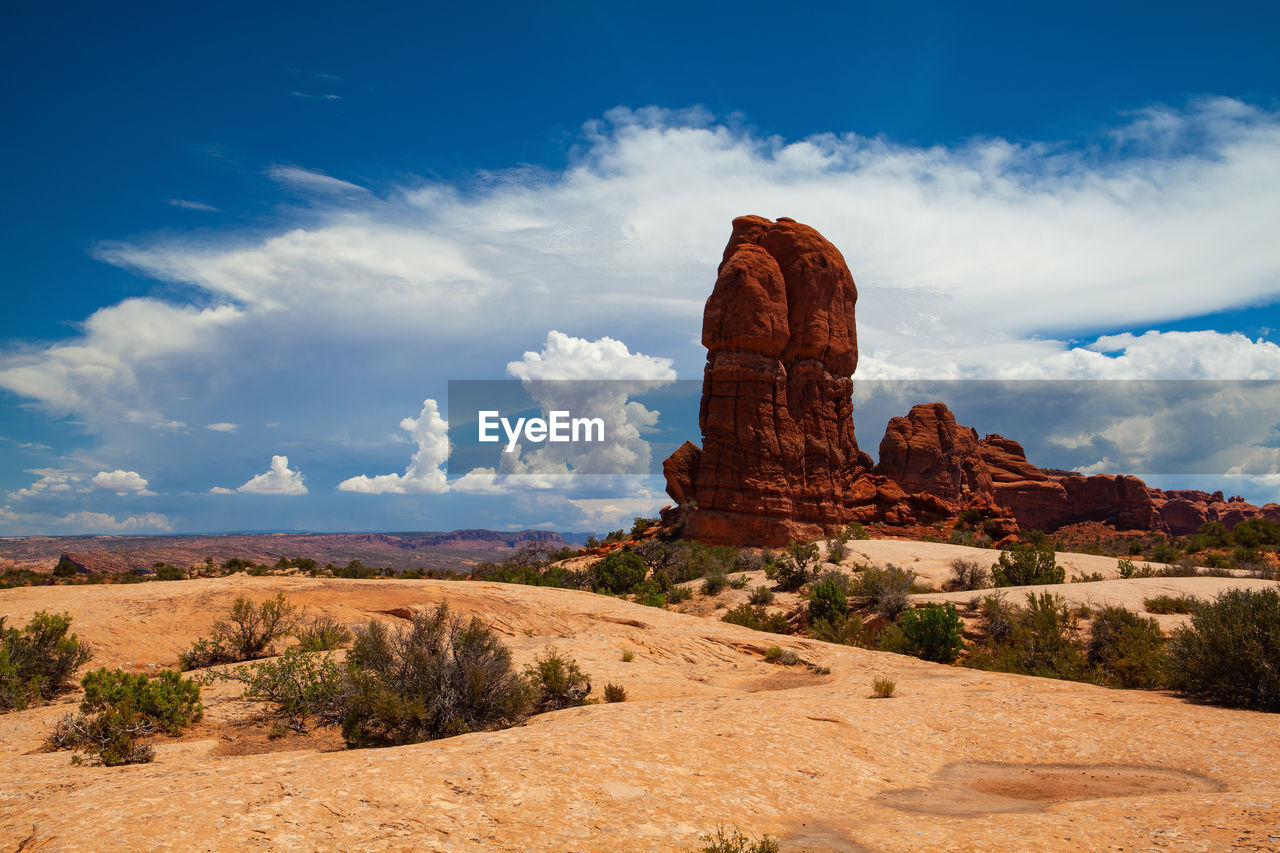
(101, 522)
(277, 480)
(425, 473)
(121, 482)
(221, 490)
(51, 481)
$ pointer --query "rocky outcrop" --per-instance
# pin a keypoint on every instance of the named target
(927, 452)
(1183, 511)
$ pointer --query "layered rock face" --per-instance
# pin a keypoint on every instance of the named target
(779, 460)
(778, 452)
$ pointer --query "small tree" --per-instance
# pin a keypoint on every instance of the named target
(37, 660)
(795, 568)
(617, 572)
(245, 634)
(829, 596)
(931, 632)
(1027, 565)
(1230, 653)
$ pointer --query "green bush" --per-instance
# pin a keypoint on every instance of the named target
(1164, 553)
(119, 709)
(296, 688)
(557, 681)
(761, 595)
(615, 693)
(38, 660)
(1041, 638)
(829, 596)
(781, 656)
(886, 589)
(246, 633)
(640, 525)
(438, 677)
(617, 572)
(854, 530)
(842, 629)
(1170, 604)
(931, 632)
(650, 593)
(837, 550)
(794, 569)
(1026, 565)
(757, 618)
(65, 569)
(1230, 653)
(323, 634)
(1127, 649)
(714, 584)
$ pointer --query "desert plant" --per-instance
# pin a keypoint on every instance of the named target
(296, 688)
(246, 633)
(615, 693)
(1170, 604)
(119, 709)
(739, 582)
(1230, 652)
(714, 584)
(855, 530)
(38, 660)
(781, 656)
(640, 525)
(677, 594)
(829, 595)
(1027, 565)
(1127, 649)
(628, 655)
(967, 574)
(323, 634)
(737, 842)
(438, 677)
(617, 572)
(557, 681)
(886, 589)
(650, 593)
(837, 550)
(1040, 638)
(931, 632)
(842, 629)
(761, 595)
(794, 569)
(883, 686)
(758, 618)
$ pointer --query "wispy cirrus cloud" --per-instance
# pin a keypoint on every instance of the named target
(311, 181)
(188, 204)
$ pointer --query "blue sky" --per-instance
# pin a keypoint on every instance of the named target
(273, 230)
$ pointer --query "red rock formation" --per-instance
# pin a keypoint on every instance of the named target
(927, 452)
(779, 455)
(1183, 511)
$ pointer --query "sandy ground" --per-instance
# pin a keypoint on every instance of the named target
(958, 760)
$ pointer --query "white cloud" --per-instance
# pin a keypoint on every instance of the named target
(121, 482)
(187, 204)
(425, 473)
(25, 445)
(311, 181)
(278, 480)
(222, 426)
(221, 490)
(100, 522)
(310, 97)
(52, 481)
(565, 357)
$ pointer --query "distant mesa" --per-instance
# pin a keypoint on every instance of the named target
(779, 460)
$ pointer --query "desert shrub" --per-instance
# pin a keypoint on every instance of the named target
(761, 595)
(640, 525)
(650, 593)
(557, 681)
(1170, 604)
(166, 572)
(1164, 553)
(886, 589)
(883, 686)
(735, 842)
(1230, 653)
(628, 655)
(967, 574)
(971, 538)
(855, 530)
(1125, 568)
(781, 656)
(1040, 638)
(37, 660)
(757, 618)
(615, 693)
(119, 709)
(1088, 577)
(439, 676)
(739, 582)
(323, 634)
(65, 569)
(618, 535)
(829, 595)
(747, 560)
(714, 584)
(296, 688)
(1214, 560)
(846, 630)
(837, 550)
(677, 594)
(997, 615)
(246, 633)
(1026, 565)
(1127, 649)
(794, 569)
(931, 632)
(617, 572)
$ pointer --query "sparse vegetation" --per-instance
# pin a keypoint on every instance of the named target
(829, 596)
(1126, 649)
(761, 595)
(120, 709)
(1230, 653)
(1027, 565)
(883, 686)
(297, 688)
(794, 569)
(842, 629)
(628, 655)
(246, 633)
(758, 618)
(615, 693)
(323, 634)
(931, 632)
(966, 575)
(886, 589)
(1170, 604)
(714, 584)
(736, 842)
(37, 660)
(617, 572)
(781, 656)
(557, 681)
